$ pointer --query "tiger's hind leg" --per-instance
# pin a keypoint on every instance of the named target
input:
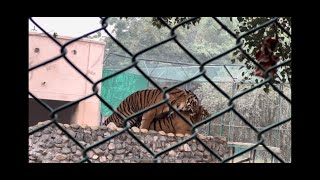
(147, 119)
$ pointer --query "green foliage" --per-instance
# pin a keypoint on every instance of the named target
(203, 37)
(252, 44)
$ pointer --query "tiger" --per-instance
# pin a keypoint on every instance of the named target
(179, 98)
(176, 125)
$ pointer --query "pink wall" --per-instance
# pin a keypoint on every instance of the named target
(60, 81)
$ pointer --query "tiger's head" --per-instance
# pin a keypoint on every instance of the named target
(183, 100)
(192, 102)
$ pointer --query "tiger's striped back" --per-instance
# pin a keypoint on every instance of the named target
(143, 99)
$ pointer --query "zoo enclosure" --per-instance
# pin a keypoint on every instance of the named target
(53, 113)
(228, 77)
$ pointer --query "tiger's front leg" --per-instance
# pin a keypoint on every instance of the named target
(147, 119)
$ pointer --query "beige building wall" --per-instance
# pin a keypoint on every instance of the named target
(60, 81)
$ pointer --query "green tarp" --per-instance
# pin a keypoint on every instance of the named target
(116, 89)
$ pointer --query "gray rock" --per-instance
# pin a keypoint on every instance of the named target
(95, 157)
(103, 146)
(65, 139)
(106, 134)
(72, 133)
(129, 148)
(98, 151)
(65, 150)
(102, 159)
(129, 140)
(110, 156)
(56, 149)
(58, 140)
(206, 158)
(186, 147)
(38, 150)
(79, 136)
(75, 126)
(71, 143)
(82, 143)
(198, 154)
(41, 144)
(207, 153)
(35, 139)
(119, 157)
(200, 148)
(66, 126)
(193, 147)
(37, 134)
(74, 148)
(152, 132)
(118, 146)
(47, 130)
(180, 155)
(155, 138)
(49, 157)
(100, 138)
(106, 152)
(120, 151)
(87, 131)
(45, 138)
(163, 138)
(148, 138)
(172, 153)
(124, 145)
(59, 131)
(94, 135)
(78, 153)
(188, 154)
(90, 154)
(60, 157)
(123, 137)
(59, 145)
(111, 146)
(185, 160)
(50, 143)
(100, 133)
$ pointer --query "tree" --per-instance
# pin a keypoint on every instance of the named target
(252, 44)
(204, 40)
(197, 37)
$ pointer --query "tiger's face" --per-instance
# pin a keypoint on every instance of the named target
(185, 101)
(192, 102)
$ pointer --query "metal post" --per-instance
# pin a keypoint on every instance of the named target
(209, 128)
(234, 85)
(280, 115)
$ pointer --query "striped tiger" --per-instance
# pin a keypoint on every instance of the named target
(175, 124)
(143, 99)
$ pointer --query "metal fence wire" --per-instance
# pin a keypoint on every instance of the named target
(53, 113)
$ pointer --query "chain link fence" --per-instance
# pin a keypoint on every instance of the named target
(230, 107)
